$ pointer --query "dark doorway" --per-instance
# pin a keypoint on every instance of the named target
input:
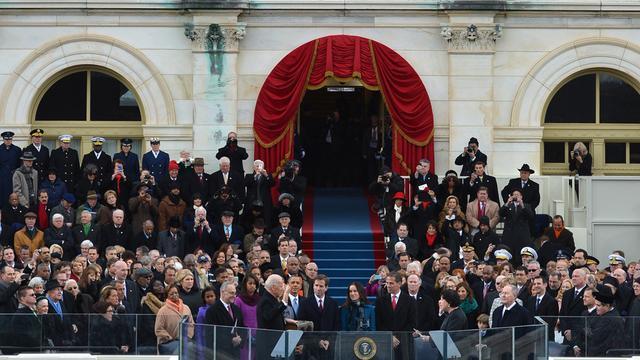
(332, 127)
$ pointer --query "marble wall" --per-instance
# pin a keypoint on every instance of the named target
(493, 88)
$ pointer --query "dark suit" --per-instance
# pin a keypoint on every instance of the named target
(236, 154)
(425, 311)
(547, 309)
(6, 235)
(411, 244)
(487, 181)
(390, 224)
(201, 240)
(26, 331)
(111, 236)
(104, 165)
(516, 316)
(454, 321)
(468, 163)
(291, 232)
(130, 163)
(41, 163)
(270, 317)
(170, 247)
(234, 180)
(259, 188)
(193, 185)
(295, 187)
(607, 332)
(430, 179)
(565, 239)
(142, 239)
(217, 314)
(326, 320)
(157, 166)
(79, 235)
(530, 192)
(572, 305)
(516, 234)
(67, 164)
(219, 237)
(548, 252)
(402, 321)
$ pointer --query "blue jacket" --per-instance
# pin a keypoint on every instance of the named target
(158, 167)
(56, 190)
(349, 316)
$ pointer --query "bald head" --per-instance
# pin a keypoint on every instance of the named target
(121, 270)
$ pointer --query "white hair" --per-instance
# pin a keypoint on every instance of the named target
(416, 265)
(201, 209)
(272, 280)
(36, 281)
(224, 160)
(226, 284)
(118, 211)
(258, 162)
(86, 243)
(400, 245)
(57, 216)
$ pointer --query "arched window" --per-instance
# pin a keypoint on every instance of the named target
(601, 108)
(86, 101)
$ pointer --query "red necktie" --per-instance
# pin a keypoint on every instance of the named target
(394, 302)
(481, 211)
(199, 232)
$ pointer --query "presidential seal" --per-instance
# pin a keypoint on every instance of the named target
(365, 348)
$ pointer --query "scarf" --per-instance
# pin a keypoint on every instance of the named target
(85, 229)
(431, 239)
(468, 306)
(118, 178)
(152, 302)
(557, 233)
(177, 306)
(251, 300)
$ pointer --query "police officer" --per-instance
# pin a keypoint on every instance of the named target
(66, 162)
(156, 160)
(41, 152)
(9, 161)
(129, 160)
(100, 159)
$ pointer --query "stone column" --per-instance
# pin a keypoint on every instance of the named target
(215, 81)
(471, 45)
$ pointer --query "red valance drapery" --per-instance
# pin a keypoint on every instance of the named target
(344, 57)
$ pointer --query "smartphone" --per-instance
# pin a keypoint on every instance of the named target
(377, 277)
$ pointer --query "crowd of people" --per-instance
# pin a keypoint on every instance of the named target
(87, 246)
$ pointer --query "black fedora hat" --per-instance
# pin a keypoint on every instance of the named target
(525, 167)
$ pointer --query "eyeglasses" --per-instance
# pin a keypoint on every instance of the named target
(34, 295)
(532, 270)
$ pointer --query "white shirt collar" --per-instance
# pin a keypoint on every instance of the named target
(319, 299)
(510, 306)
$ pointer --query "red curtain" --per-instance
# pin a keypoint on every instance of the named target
(344, 57)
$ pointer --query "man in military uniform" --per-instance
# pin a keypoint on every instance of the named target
(129, 160)
(156, 160)
(9, 161)
(66, 162)
(41, 152)
(100, 159)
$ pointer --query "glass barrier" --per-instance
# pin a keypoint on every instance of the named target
(125, 334)
(226, 342)
(596, 336)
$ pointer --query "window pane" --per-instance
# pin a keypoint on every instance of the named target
(554, 152)
(111, 100)
(619, 101)
(634, 153)
(615, 153)
(575, 102)
(65, 100)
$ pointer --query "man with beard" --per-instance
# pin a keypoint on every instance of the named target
(25, 181)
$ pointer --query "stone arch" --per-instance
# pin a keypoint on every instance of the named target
(20, 93)
(548, 73)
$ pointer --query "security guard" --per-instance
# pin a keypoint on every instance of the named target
(9, 162)
(100, 159)
(129, 160)
(41, 152)
(66, 162)
(156, 160)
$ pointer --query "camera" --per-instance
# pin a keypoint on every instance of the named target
(232, 141)
(147, 177)
(576, 153)
(385, 178)
(288, 171)
(470, 150)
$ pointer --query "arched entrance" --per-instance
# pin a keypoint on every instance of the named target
(344, 58)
